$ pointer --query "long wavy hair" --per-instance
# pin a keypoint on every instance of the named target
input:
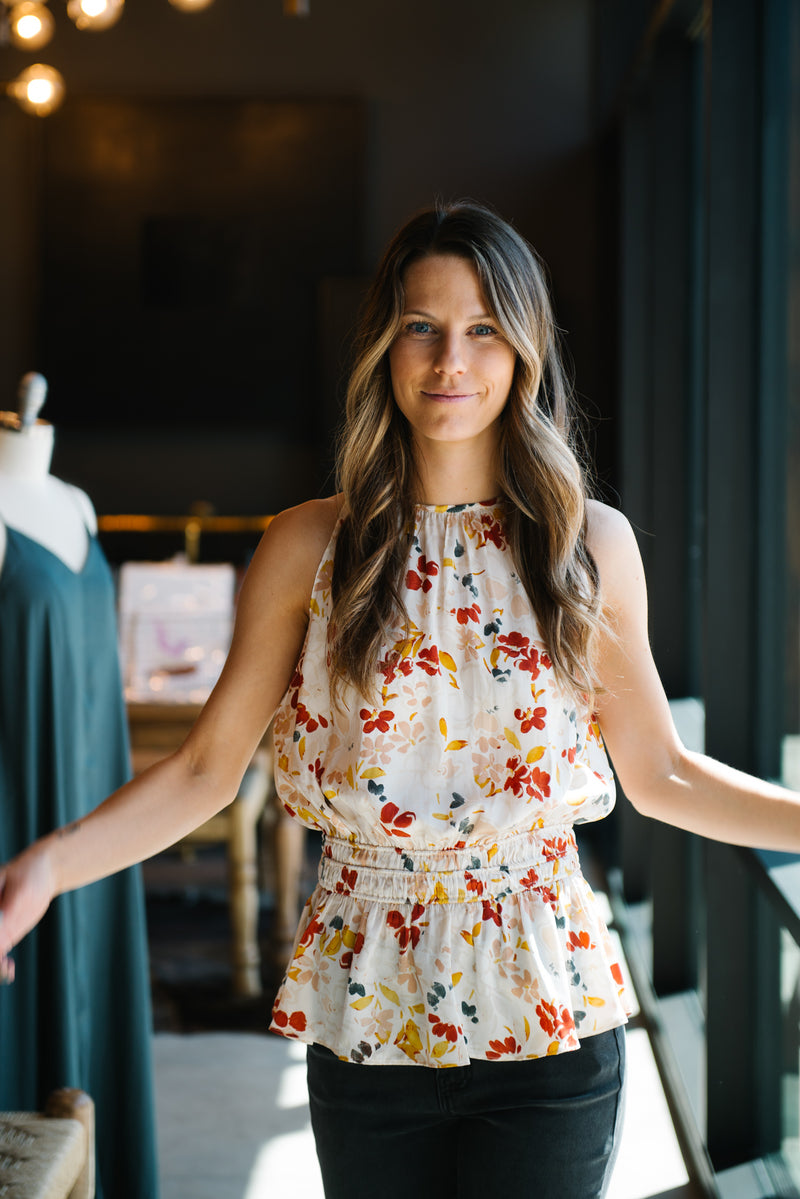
(540, 474)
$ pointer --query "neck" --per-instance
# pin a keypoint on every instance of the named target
(450, 473)
(26, 453)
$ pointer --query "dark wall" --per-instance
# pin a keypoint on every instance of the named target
(458, 100)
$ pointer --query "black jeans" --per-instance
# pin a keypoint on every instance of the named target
(545, 1128)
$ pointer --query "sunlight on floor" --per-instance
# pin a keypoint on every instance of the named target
(650, 1160)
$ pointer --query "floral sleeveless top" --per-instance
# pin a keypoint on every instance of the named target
(451, 919)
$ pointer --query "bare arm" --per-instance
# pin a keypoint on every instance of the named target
(176, 795)
(658, 774)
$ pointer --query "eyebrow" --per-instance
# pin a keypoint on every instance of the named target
(481, 316)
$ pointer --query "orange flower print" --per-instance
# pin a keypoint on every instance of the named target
(428, 659)
(507, 1048)
(394, 821)
(464, 615)
(530, 779)
(554, 1022)
(376, 720)
(296, 1020)
(450, 1032)
(554, 848)
(530, 718)
(492, 910)
(309, 722)
(416, 582)
(473, 884)
(531, 879)
(580, 940)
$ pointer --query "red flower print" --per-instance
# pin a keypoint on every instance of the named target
(569, 754)
(414, 581)
(376, 720)
(492, 910)
(530, 879)
(617, 973)
(317, 769)
(530, 719)
(554, 1022)
(346, 960)
(390, 668)
(297, 1020)
(312, 930)
(394, 821)
(428, 659)
(304, 718)
(348, 881)
(473, 884)
(525, 655)
(554, 848)
(505, 1048)
(579, 940)
(465, 615)
(532, 780)
(407, 933)
(440, 1029)
(491, 530)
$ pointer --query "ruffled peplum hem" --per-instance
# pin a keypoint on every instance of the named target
(432, 957)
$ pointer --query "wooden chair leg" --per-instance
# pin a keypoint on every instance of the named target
(243, 874)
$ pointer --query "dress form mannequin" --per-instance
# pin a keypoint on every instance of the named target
(78, 1013)
(33, 501)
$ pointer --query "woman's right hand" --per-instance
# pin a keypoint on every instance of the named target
(26, 891)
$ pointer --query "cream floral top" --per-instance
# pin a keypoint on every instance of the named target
(451, 919)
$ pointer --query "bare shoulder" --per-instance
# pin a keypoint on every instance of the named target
(307, 527)
(291, 549)
(612, 543)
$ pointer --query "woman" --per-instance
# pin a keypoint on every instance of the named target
(445, 739)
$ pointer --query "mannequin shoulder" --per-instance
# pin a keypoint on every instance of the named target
(83, 504)
(612, 543)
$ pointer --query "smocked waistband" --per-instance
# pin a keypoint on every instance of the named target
(489, 870)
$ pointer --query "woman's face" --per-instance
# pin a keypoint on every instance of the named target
(451, 367)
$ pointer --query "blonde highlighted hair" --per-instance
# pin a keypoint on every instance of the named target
(543, 483)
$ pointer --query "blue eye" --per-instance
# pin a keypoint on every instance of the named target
(418, 327)
(484, 330)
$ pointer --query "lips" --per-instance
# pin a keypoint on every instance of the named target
(448, 397)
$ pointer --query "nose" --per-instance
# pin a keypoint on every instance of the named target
(449, 359)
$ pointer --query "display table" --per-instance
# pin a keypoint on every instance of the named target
(158, 729)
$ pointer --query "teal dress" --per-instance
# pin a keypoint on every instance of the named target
(79, 1013)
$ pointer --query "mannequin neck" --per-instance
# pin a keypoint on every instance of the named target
(26, 454)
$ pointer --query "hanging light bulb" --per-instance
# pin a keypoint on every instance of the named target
(38, 89)
(191, 5)
(95, 14)
(31, 25)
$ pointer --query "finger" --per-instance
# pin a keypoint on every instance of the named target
(7, 971)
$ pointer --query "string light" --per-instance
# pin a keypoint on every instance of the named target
(95, 14)
(30, 25)
(191, 5)
(38, 89)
